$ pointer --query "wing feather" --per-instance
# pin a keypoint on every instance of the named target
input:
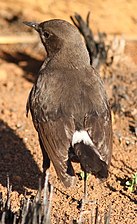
(56, 144)
(99, 128)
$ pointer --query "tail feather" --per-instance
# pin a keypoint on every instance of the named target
(90, 160)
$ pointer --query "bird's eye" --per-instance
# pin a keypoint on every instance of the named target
(46, 34)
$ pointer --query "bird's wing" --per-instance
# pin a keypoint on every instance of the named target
(99, 129)
(56, 144)
(95, 155)
(52, 123)
(98, 121)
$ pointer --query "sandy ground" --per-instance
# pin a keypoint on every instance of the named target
(20, 154)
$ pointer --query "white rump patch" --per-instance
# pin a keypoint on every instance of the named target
(81, 136)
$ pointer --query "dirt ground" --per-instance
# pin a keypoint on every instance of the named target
(20, 154)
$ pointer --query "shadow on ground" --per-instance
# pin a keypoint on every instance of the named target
(29, 64)
(16, 161)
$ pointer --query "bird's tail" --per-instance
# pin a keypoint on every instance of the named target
(90, 160)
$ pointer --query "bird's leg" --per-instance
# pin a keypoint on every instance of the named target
(85, 185)
(85, 196)
(84, 176)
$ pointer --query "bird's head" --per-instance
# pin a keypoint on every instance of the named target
(59, 34)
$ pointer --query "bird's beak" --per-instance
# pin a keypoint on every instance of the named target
(32, 24)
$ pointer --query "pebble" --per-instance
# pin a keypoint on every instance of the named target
(25, 139)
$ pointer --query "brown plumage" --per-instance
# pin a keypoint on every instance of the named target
(69, 106)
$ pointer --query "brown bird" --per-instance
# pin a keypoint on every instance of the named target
(69, 106)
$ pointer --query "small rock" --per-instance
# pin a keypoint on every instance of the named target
(18, 125)
(25, 139)
(127, 142)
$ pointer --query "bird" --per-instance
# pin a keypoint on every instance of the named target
(69, 106)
